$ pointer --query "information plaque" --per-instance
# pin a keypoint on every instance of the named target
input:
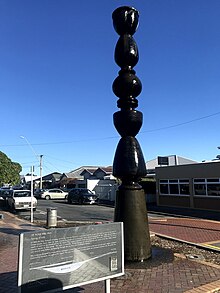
(62, 258)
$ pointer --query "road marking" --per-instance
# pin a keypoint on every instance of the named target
(212, 246)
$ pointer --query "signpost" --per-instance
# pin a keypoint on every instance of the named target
(64, 258)
(32, 194)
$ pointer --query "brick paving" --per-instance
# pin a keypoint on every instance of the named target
(173, 276)
(190, 230)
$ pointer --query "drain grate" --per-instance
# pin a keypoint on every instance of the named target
(195, 256)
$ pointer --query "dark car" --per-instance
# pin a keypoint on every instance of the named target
(81, 196)
(38, 192)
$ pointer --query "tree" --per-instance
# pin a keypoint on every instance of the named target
(9, 171)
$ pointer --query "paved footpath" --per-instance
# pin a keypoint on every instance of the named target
(203, 233)
(172, 276)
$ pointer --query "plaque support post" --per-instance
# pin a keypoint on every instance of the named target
(129, 165)
(107, 286)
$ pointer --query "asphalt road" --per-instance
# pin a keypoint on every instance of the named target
(73, 212)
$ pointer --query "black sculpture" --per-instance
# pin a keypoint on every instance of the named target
(129, 164)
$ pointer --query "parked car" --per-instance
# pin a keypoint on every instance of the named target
(54, 193)
(21, 200)
(81, 196)
(4, 193)
(38, 192)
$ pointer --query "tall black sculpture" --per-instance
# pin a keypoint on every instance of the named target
(129, 164)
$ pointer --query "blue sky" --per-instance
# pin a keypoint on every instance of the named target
(57, 68)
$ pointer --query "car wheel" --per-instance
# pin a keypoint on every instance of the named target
(66, 197)
(13, 209)
(80, 201)
(47, 197)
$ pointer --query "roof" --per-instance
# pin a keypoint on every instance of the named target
(172, 161)
(55, 175)
(68, 181)
(79, 172)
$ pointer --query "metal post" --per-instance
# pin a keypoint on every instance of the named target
(107, 286)
(129, 164)
(32, 195)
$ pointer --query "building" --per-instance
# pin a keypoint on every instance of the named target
(48, 181)
(191, 186)
(171, 160)
(98, 179)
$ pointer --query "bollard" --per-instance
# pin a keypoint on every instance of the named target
(51, 217)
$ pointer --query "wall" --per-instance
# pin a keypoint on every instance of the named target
(106, 190)
(190, 172)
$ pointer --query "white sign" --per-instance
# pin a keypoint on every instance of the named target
(62, 258)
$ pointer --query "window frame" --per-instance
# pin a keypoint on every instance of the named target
(206, 182)
(172, 182)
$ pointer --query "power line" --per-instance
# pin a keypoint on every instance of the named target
(180, 124)
(112, 137)
(59, 142)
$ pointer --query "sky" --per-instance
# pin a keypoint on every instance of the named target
(56, 73)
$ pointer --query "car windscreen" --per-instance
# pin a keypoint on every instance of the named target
(22, 194)
(5, 192)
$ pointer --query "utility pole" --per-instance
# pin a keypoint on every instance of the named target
(41, 157)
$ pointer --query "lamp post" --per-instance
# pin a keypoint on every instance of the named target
(39, 158)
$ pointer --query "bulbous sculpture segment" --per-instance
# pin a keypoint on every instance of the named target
(125, 20)
(128, 123)
(127, 104)
(127, 84)
(126, 52)
(129, 163)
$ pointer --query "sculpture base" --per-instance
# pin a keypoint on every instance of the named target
(131, 209)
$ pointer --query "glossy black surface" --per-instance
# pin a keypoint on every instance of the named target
(128, 123)
(125, 20)
(126, 52)
(129, 164)
(127, 84)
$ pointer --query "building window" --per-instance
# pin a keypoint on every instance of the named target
(213, 189)
(164, 188)
(207, 187)
(200, 189)
(184, 186)
(174, 186)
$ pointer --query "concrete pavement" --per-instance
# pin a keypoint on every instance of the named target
(175, 274)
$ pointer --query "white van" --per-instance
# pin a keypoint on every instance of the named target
(21, 200)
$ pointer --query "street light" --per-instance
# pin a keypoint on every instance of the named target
(39, 158)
